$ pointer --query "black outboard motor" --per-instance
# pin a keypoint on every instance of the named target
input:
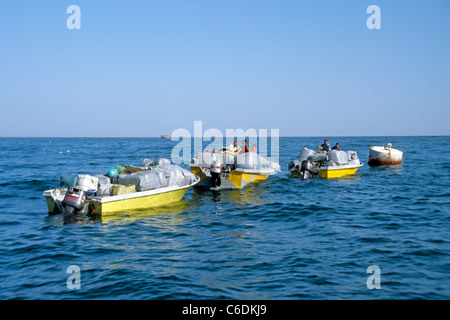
(74, 200)
(216, 171)
(226, 171)
(307, 169)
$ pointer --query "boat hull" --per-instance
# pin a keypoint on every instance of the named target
(116, 204)
(54, 200)
(331, 172)
(120, 203)
(382, 156)
(237, 179)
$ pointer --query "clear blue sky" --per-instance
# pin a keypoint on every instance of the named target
(143, 68)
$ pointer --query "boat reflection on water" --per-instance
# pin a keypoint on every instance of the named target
(70, 218)
(133, 215)
(394, 168)
(151, 213)
(251, 195)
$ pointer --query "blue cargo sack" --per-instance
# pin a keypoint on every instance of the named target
(112, 173)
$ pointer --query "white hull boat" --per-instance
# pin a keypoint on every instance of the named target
(384, 155)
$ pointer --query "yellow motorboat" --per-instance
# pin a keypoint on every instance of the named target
(138, 200)
(224, 171)
(332, 164)
(155, 185)
(120, 203)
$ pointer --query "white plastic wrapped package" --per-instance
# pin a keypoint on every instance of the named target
(179, 176)
(163, 176)
(305, 154)
(146, 180)
(205, 159)
(338, 157)
(248, 160)
(189, 177)
(86, 182)
(104, 186)
(170, 175)
(318, 157)
(146, 162)
(264, 163)
(251, 160)
(161, 162)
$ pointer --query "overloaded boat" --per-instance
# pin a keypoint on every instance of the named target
(332, 164)
(226, 170)
(381, 155)
(122, 188)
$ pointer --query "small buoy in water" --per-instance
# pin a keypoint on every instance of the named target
(68, 150)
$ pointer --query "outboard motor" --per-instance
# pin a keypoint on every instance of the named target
(307, 169)
(74, 200)
(216, 170)
(226, 171)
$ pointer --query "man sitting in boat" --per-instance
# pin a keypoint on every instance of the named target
(325, 146)
(336, 147)
(232, 149)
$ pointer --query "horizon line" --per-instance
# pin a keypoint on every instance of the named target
(159, 137)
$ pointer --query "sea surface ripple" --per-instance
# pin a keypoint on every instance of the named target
(283, 238)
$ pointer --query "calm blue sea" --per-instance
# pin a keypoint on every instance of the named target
(283, 238)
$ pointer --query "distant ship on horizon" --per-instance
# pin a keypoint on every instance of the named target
(165, 136)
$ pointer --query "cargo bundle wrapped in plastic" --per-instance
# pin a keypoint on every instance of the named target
(117, 189)
(205, 159)
(318, 157)
(179, 176)
(146, 180)
(158, 178)
(337, 157)
(251, 160)
(112, 173)
(146, 162)
(304, 155)
(104, 186)
(247, 160)
(143, 181)
(160, 162)
(267, 164)
(189, 178)
(86, 182)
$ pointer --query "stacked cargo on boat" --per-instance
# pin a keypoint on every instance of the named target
(77, 192)
(332, 164)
